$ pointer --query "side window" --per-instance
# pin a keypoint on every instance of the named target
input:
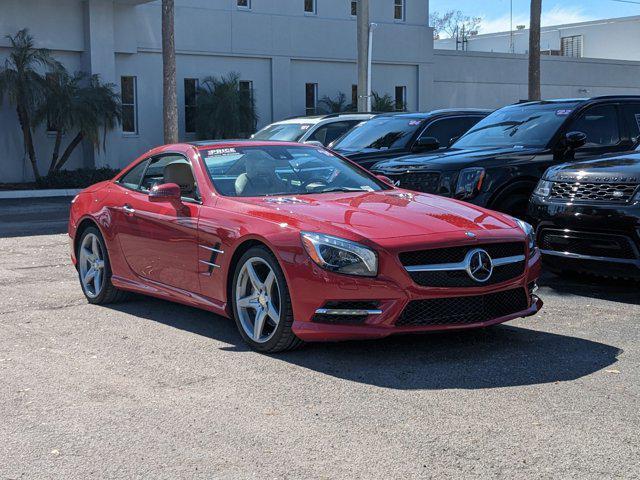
(171, 169)
(447, 128)
(133, 177)
(631, 114)
(600, 124)
(328, 133)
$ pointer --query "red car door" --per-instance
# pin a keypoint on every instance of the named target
(159, 239)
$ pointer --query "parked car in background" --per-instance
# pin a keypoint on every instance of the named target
(297, 244)
(393, 135)
(323, 129)
(498, 163)
(588, 216)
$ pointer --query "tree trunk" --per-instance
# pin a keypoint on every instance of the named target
(68, 151)
(170, 99)
(25, 125)
(56, 151)
(363, 52)
(534, 50)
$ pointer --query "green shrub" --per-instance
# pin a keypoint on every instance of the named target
(80, 178)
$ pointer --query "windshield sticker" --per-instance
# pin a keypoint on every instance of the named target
(563, 113)
(305, 127)
(413, 123)
(221, 151)
(638, 120)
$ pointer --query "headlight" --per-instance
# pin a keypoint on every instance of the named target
(469, 182)
(339, 255)
(531, 235)
(543, 189)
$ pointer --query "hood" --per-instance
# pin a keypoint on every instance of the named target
(378, 215)
(370, 153)
(609, 169)
(455, 158)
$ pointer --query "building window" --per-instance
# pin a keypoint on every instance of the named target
(571, 46)
(354, 8)
(354, 97)
(310, 6)
(129, 96)
(398, 10)
(190, 101)
(244, 4)
(311, 98)
(401, 98)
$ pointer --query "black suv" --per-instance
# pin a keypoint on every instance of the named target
(498, 163)
(588, 216)
(391, 135)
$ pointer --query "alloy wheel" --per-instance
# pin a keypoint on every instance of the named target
(258, 300)
(91, 262)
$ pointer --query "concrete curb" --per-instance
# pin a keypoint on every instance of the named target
(14, 194)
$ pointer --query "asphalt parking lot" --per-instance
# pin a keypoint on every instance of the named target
(149, 389)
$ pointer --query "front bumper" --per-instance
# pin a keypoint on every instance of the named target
(392, 294)
(602, 239)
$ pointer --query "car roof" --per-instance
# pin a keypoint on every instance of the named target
(244, 142)
(584, 100)
(314, 119)
(439, 112)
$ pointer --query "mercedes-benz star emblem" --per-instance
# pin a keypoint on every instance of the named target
(479, 265)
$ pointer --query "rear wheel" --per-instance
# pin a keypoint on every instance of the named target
(514, 205)
(94, 269)
(261, 303)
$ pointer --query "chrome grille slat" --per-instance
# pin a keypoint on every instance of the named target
(593, 192)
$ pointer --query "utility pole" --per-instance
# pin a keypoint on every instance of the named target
(511, 44)
(534, 50)
(363, 54)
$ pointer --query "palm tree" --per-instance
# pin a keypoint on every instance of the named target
(334, 105)
(170, 96)
(382, 103)
(534, 50)
(78, 103)
(224, 111)
(24, 85)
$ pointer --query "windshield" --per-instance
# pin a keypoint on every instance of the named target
(286, 132)
(517, 126)
(379, 133)
(257, 171)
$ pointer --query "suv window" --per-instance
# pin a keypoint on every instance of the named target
(631, 114)
(133, 177)
(600, 124)
(331, 131)
(170, 169)
(447, 128)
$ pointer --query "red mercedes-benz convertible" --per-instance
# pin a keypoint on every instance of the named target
(298, 244)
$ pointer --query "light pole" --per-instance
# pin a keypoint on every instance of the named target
(363, 49)
(372, 26)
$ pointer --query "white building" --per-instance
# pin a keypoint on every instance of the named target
(612, 38)
(291, 52)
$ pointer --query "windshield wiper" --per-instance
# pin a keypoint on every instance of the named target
(343, 189)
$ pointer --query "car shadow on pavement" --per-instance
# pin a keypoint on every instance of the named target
(500, 356)
(613, 290)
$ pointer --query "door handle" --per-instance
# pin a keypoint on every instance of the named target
(129, 210)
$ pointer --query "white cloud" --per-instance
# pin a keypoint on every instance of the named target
(557, 15)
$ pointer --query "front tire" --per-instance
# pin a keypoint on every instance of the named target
(94, 269)
(261, 303)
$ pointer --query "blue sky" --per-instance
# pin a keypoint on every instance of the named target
(495, 13)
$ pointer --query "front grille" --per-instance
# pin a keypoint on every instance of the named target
(463, 310)
(426, 182)
(457, 254)
(345, 305)
(593, 192)
(588, 243)
(460, 278)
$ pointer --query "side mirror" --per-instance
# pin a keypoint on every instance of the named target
(425, 144)
(167, 192)
(575, 140)
(385, 179)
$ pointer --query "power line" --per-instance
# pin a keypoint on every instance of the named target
(627, 1)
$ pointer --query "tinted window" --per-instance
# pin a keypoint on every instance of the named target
(328, 133)
(286, 132)
(282, 170)
(600, 123)
(631, 114)
(448, 128)
(133, 177)
(380, 133)
(526, 125)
